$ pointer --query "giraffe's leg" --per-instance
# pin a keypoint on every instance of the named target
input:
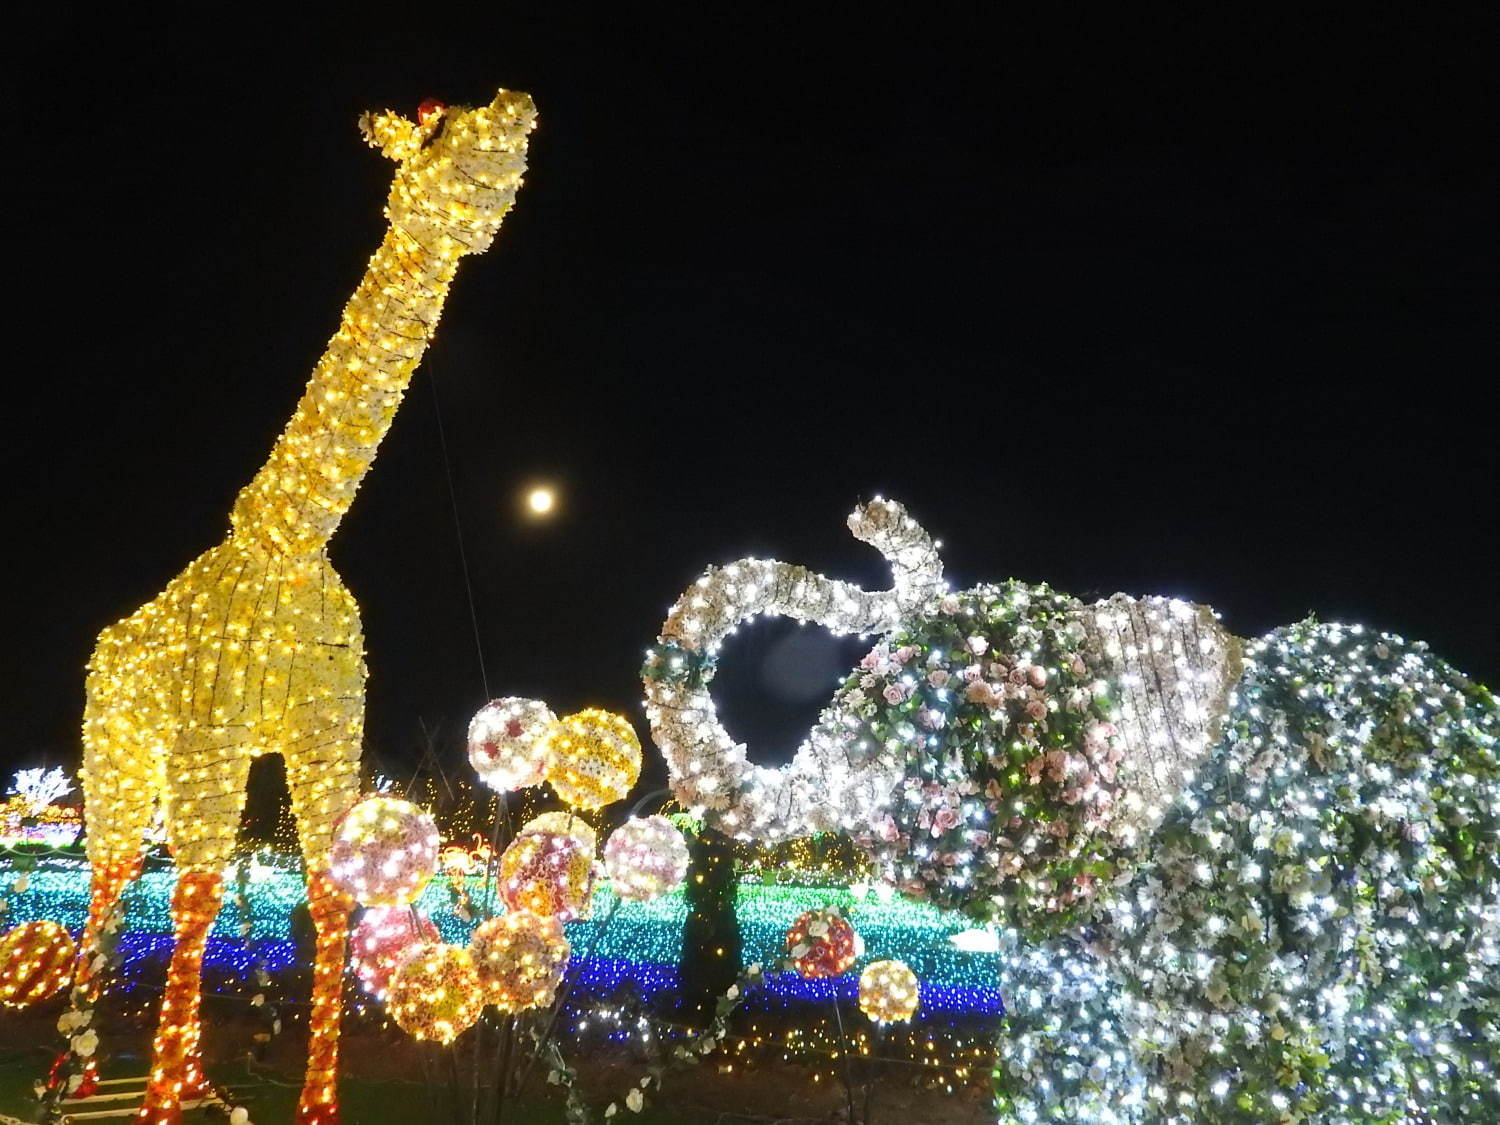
(323, 776)
(120, 775)
(208, 771)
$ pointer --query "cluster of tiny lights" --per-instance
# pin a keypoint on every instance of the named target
(593, 757)
(436, 992)
(563, 823)
(257, 646)
(822, 943)
(645, 858)
(381, 939)
(36, 961)
(385, 851)
(824, 787)
(547, 874)
(520, 958)
(888, 992)
(507, 742)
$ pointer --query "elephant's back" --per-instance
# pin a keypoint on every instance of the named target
(1329, 880)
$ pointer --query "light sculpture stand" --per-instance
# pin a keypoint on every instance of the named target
(256, 648)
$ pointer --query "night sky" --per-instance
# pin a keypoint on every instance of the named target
(1201, 309)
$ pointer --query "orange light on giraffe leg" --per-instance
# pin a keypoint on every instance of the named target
(176, 1069)
(107, 882)
(330, 909)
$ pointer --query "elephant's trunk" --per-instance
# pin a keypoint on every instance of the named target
(710, 771)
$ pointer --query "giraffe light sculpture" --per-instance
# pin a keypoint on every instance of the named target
(256, 648)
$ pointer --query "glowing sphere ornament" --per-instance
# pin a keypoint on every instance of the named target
(384, 937)
(645, 858)
(520, 958)
(36, 961)
(547, 874)
(507, 742)
(563, 823)
(889, 992)
(435, 993)
(822, 943)
(593, 758)
(384, 852)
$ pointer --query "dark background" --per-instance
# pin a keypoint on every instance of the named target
(1195, 308)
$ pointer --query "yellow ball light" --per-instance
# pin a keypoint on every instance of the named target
(435, 993)
(520, 958)
(563, 823)
(593, 758)
(889, 992)
(547, 874)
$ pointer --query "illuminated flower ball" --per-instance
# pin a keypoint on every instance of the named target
(593, 758)
(507, 742)
(520, 958)
(888, 992)
(384, 851)
(382, 940)
(563, 823)
(36, 961)
(821, 943)
(435, 992)
(547, 874)
(646, 857)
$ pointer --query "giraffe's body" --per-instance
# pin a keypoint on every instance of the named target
(256, 647)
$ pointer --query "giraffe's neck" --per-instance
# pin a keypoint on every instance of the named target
(296, 501)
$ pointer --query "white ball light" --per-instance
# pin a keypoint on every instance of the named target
(507, 742)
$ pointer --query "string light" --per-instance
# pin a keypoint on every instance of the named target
(822, 943)
(645, 858)
(507, 742)
(257, 647)
(593, 758)
(520, 958)
(547, 874)
(436, 993)
(36, 963)
(384, 852)
(382, 939)
(888, 992)
(824, 787)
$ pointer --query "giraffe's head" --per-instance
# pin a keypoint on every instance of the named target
(457, 168)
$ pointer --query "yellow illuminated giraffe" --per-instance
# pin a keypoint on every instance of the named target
(256, 648)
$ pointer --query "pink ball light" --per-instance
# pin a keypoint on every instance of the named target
(645, 858)
(382, 940)
(384, 852)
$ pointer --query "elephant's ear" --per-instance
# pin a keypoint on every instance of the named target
(1171, 667)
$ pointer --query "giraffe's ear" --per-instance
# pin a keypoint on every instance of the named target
(395, 136)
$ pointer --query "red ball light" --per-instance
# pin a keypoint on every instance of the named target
(821, 943)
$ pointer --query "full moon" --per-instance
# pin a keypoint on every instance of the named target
(540, 500)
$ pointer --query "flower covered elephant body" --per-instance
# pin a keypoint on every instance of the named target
(1238, 881)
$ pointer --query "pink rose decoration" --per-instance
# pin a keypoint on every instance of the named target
(930, 718)
(937, 678)
(973, 673)
(894, 694)
(944, 820)
(949, 605)
(904, 653)
(1037, 675)
(1036, 709)
(1079, 668)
